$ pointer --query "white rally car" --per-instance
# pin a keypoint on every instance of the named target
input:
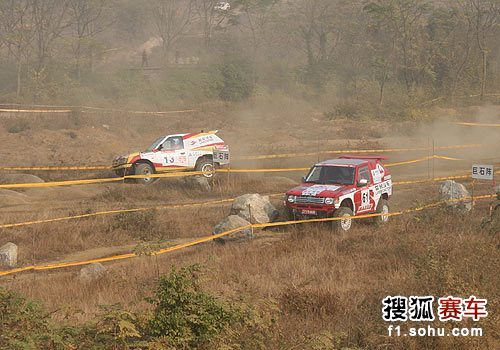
(202, 151)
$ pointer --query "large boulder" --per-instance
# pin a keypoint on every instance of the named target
(254, 208)
(92, 272)
(8, 255)
(230, 223)
(18, 178)
(452, 191)
(197, 182)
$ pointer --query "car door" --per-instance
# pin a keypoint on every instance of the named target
(363, 199)
(173, 153)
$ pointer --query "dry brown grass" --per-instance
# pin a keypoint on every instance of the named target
(316, 281)
(315, 284)
(53, 241)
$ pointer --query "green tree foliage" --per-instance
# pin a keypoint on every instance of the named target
(394, 54)
(184, 315)
(236, 79)
(24, 325)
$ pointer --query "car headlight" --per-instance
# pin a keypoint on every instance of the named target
(329, 200)
(291, 199)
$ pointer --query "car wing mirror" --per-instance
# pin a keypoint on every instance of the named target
(303, 179)
(362, 182)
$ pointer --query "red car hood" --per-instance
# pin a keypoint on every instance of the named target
(317, 190)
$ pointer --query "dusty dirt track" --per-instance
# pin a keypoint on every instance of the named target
(82, 140)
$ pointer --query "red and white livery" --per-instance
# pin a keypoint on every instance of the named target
(202, 151)
(342, 187)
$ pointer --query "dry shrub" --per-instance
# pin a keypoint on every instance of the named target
(141, 225)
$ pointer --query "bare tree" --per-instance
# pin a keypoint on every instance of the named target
(484, 15)
(405, 19)
(49, 22)
(211, 18)
(255, 17)
(316, 29)
(87, 18)
(15, 24)
(171, 19)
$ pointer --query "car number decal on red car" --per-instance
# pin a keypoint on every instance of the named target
(317, 189)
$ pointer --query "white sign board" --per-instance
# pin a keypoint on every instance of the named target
(482, 172)
(221, 157)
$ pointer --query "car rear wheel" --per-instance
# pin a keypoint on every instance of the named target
(206, 165)
(383, 209)
(144, 169)
(344, 224)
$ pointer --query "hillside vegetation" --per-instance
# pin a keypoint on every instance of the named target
(378, 58)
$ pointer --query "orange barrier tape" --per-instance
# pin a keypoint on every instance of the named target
(85, 109)
(289, 155)
(120, 256)
(187, 205)
(94, 181)
(89, 167)
(211, 237)
(181, 174)
(477, 124)
(116, 211)
(106, 167)
(421, 160)
(35, 110)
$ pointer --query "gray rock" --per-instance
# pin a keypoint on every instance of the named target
(92, 272)
(232, 222)
(254, 208)
(197, 182)
(451, 191)
(8, 255)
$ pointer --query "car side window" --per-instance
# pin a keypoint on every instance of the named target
(173, 143)
(364, 174)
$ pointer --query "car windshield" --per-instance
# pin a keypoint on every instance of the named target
(155, 144)
(340, 175)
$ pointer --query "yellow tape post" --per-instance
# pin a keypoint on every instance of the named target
(211, 237)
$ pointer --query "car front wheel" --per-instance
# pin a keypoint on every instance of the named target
(144, 169)
(383, 210)
(344, 223)
(206, 166)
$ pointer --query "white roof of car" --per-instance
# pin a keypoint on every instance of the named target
(342, 161)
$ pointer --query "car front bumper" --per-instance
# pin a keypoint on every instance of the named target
(302, 209)
(122, 166)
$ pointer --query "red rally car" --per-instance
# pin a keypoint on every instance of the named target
(342, 187)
